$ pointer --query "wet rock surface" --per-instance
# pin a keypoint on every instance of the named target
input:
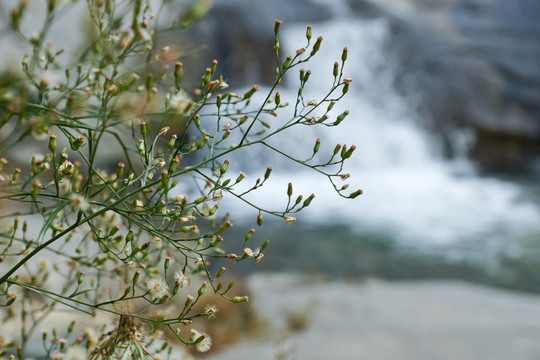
(475, 64)
(239, 34)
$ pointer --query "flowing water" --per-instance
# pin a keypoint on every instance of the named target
(412, 194)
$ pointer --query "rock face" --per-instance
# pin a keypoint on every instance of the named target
(239, 34)
(475, 62)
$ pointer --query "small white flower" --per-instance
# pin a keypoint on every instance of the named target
(290, 219)
(49, 79)
(57, 355)
(40, 134)
(75, 353)
(248, 252)
(180, 279)
(218, 195)
(259, 257)
(66, 168)
(181, 198)
(179, 102)
(157, 288)
(91, 336)
(78, 203)
(205, 344)
(109, 219)
(223, 85)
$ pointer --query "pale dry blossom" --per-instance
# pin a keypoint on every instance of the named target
(75, 353)
(205, 344)
(179, 102)
(157, 288)
(211, 311)
(78, 203)
(180, 279)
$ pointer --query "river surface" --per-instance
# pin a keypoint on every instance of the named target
(417, 205)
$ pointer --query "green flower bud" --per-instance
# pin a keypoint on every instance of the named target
(224, 227)
(202, 288)
(349, 152)
(289, 190)
(240, 177)
(268, 172)
(218, 100)
(308, 200)
(226, 134)
(114, 230)
(220, 272)
(308, 33)
(335, 72)
(166, 263)
(239, 299)
(249, 234)
(130, 235)
(172, 140)
(317, 146)
(216, 240)
(178, 74)
(250, 92)
(200, 200)
(213, 210)
(316, 46)
(344, 54)
(52, 142)
(343, 151)
(331, 105)
(342, 116)
(76, 143)
(259, 220)
(143, 128)
(287, 62)
(224, 167)
(336, 149)
(356, 193)
(136, 276)
(174, 164)
(277, 26)
(149, 81)
(165, 179)
(189, 300)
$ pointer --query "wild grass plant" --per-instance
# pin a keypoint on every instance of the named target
(135, 241)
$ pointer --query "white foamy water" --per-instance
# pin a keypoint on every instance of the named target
(410, 191)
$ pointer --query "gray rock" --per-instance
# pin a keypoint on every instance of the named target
(240, 35)
(475, 63)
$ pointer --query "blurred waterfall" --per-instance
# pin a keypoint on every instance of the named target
(410, 191)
